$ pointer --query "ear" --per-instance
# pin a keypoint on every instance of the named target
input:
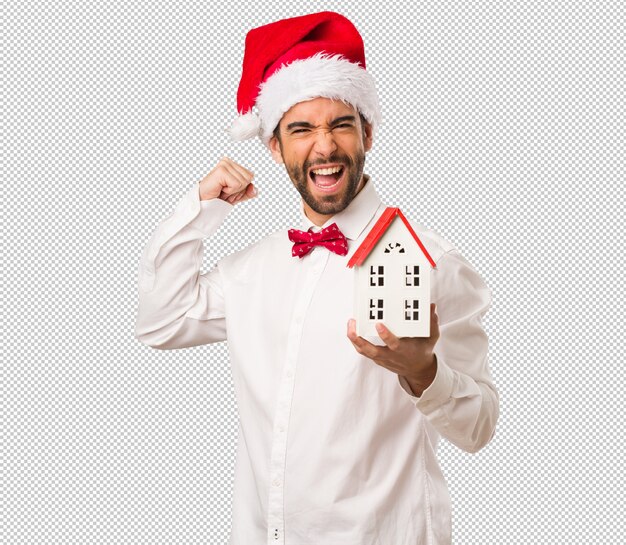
(368, 139)
(275, 149)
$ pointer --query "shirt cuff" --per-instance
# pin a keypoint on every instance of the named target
(212, 212)
(439, 390)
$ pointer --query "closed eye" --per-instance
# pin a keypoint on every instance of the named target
(336, 126)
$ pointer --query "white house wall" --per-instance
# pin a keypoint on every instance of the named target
(394, 292)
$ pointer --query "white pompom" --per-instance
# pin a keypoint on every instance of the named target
(245, 126)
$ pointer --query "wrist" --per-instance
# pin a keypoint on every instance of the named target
(419, 383)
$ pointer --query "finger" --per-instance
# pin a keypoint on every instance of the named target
(242, 195)
(237, 180)
(227, 195)
(362, 346)
(434, 322)
(387, 336)
(234, 164)
(250, 192)
(243, 175)
(235, 197)
(247, 174)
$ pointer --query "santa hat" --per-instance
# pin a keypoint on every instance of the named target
(298, 59)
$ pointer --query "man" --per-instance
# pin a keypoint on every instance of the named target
(337, 434)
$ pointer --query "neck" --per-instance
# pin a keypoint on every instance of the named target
(317, 219)
(320, 219)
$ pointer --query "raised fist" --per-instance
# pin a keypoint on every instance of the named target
(228, 181)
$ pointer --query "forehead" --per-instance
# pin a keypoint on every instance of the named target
(318, 110)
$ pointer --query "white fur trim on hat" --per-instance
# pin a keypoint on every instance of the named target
(322, 75)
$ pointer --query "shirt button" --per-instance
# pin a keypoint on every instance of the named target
(290, 373)
(276, 482)
(281, 428)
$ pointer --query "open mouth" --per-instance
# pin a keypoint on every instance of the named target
(327, 181)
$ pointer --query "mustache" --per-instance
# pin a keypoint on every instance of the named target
(332, 159)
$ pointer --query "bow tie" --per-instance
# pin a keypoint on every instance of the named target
(330, 237)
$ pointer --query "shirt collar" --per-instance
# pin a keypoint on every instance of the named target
(355, 217)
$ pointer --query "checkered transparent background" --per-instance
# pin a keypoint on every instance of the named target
(501, 129)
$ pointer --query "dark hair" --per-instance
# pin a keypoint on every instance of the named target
(277, 128)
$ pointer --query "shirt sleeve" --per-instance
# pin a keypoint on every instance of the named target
(178, 306)
(462, 402)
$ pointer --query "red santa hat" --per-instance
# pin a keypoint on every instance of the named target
(298, 59)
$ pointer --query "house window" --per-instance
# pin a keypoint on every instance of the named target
(376, 309)
(411, 309)
(394, 247)
(412, 275)
(377, 275)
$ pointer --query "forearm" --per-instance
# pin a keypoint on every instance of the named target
(175, 301)
(464, 410)
(461, 402)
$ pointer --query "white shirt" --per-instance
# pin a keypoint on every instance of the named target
(333, 448)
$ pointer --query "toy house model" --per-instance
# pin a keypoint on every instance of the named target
(392, 279)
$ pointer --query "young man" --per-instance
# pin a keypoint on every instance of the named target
(337, 436)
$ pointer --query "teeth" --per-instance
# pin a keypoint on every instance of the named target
(326, 171)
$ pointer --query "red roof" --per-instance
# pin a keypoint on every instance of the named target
(377, 231)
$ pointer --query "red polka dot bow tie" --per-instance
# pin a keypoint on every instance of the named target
(330, 236)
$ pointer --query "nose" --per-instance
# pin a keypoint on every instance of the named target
(324, 143)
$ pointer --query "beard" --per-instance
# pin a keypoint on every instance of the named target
(334, 203)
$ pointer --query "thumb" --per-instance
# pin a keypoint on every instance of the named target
(434, 321)
(250, 192)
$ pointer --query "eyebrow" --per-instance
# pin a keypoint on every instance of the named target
(332, 123)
